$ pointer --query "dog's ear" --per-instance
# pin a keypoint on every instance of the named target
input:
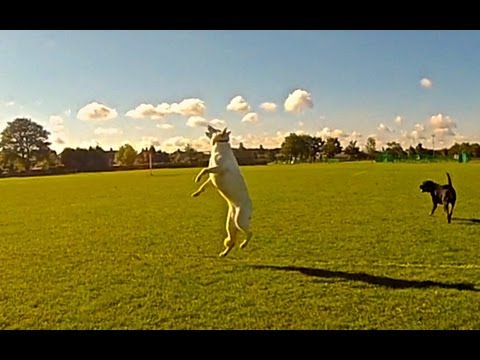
(224, 132)
(211, 131)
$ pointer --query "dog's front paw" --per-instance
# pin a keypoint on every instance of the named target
(197, 178)
(195, 194)
(224, 253)
(243, 244)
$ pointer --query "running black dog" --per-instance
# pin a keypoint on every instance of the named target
(441, 194)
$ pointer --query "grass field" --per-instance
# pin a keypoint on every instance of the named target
(335, 246)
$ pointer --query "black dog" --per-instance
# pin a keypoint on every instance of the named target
(441, 194)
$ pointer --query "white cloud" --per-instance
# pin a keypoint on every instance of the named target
(301, 123)
(139, 127)
(165, 126)
(355, 135)
(426, 83)
(56, 120)
(217, 122)
(250, 117)
(107, 131)
(174, 143)
(59, 141)
(96, 112)
(419, 127)
(197, 121)
(189, 107)
(339, 133)
(298, 100)
(254, 141)
(412, 137)
(238, 104)
(418, 135)
(56, 124)
(268, 106)
(201, 143)
(442, 132)
(440, 121)
(148, 141)
(398, 120)
(68, 112)
(300, 132)
(384, 128)
(9, 103)
(336, 133)
(143, 111)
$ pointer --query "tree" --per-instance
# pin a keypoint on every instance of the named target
(352, 150)
(93, 159)
(476, 150)
(332, 147)
(412, 153)
(395, 150)
(26, 140)
(370, 147)
(295, 146)
(126, 155)
(312, 146)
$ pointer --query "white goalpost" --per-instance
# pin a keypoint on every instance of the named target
(150, 161)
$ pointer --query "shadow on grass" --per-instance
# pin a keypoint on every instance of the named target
(371, 279)
(471, 221)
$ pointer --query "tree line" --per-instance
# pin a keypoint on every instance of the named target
(307, 148)
(24, 147)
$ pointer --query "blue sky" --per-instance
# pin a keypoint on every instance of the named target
(353, 84)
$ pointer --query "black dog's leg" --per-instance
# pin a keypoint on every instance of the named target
(434, 207)
(451, 213)
(445, 207)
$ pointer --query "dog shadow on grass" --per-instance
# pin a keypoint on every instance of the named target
(471, 221)
(371, 279)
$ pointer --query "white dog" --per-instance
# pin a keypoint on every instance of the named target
(225, 175)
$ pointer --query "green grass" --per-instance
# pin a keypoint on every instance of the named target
(335, 246)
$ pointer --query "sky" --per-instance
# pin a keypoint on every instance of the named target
(163, 88)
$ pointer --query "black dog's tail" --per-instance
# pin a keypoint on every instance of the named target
(449, 179)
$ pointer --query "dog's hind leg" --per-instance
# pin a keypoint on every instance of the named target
(449, 215)
(232, 230)
(445, 208)
(242, 221)
(201, 188)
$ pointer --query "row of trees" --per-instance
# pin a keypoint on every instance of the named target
(312, 148)
(24, 145)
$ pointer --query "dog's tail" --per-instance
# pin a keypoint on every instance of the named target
(449, 179)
